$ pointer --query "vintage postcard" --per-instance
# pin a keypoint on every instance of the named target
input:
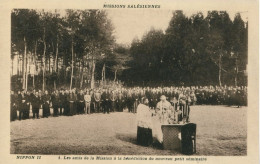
(129, 81)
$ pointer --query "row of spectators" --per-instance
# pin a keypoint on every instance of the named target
(86, 101)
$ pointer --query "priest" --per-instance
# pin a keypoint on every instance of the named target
(144, 124)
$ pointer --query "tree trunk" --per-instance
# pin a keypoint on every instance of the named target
(34, 72)
(56, 55)
(34, 61)
(18, 65)
(26, 72)
(236, 72)
(49, 63)
(54, 85)
(115, 75)
(64, 68)
(220, 69)
(43, 72)
(104, 74)
(41, 67)
(92, 84)
(72, 64)
(82, 77)
(24, 57)
(56, 61)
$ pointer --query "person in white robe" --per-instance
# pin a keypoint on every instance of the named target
(161, 117)
(144, 124)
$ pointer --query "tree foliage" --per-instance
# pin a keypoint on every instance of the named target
(194, 50)
(77, 47)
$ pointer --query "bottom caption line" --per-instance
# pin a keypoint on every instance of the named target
(119, 158)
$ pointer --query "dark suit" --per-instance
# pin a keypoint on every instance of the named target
(22, 106)
(112, 101)
(80, 103)
(72, 101)
(36, 103)
(120, 101)
(55, 103)
(62, 102)
(46, 105)
(129, 101)
(136, 101)
(105, 102)
(13, 107)
(27, 109)
(67, 104)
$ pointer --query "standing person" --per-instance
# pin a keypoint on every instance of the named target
(193, 98)
(161, 117)
(19, 104)
(22, 100)
(135, 99)
(129, 100)
(97, 98)
(161, 108)
(67, 103)
(87, 98)
(144, 124)
(174, 103)
(120, 100)
(171, 116)
(142, 95)
(92, 103)
(239, 97)
(62, 101)
(168, 94)
(46, 105)
(101, 109)
(105, 101)
(36, 103)
(183, 106)
(188, 104)
(72, 100)
(28, 105)
(153, 98)
(55, 103)
(112, 100)
(14, 106)
(81, 102)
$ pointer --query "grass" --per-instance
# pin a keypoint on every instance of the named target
(221, 131)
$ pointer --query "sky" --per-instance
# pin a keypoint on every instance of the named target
(134, 23)
(130, 24)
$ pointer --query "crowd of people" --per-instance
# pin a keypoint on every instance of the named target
(112, 99)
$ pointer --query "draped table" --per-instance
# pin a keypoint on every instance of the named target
(181, 137)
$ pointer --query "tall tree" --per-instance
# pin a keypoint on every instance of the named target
(99, 39)
(239, 46)
(24, 25)
(219, 43)
(73, 21)
(176, 45)
(120, 59)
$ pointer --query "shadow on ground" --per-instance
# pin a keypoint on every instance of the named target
(131, 138)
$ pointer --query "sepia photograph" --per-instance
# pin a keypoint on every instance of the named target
(128, 82)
